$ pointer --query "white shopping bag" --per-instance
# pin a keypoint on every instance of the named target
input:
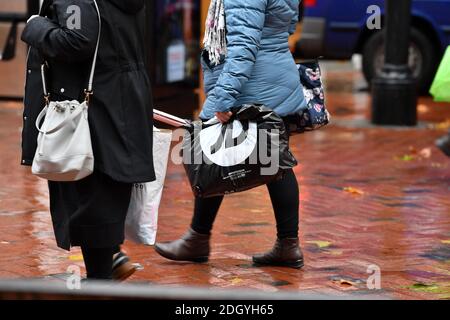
(142, 217)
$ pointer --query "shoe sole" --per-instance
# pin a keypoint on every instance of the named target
(195, 260)
(295, 265)
(123, 272)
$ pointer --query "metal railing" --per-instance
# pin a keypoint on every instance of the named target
(53, 289)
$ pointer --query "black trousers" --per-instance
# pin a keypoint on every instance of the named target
(284, 195)
(99, 262)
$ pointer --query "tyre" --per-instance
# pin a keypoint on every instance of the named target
(423, 59)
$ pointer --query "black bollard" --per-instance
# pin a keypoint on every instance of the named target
(394, 92)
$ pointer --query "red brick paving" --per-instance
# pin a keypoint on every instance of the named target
(400, 223)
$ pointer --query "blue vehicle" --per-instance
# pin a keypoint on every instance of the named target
(338, 29)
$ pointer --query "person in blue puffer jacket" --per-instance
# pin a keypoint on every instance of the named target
(247, 60)
(259, 67)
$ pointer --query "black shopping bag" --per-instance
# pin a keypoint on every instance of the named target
(249, 151)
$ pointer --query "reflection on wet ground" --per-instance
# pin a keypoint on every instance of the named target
(372, 199)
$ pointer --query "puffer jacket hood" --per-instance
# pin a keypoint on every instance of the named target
(129, 6)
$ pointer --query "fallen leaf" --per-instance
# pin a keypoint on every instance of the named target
(335, 252)
(412, 150)
(345, 283)
(183, 201)
(445, 296)
(445, 125)
(320, 244)
(424, 287)
(354, 191)
(236, 281)
(423, 108)
(406, 157)
(76, 257)
(445, 241)
(425, 153)
(436, 165)
(441, 289)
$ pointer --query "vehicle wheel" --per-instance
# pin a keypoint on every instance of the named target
(423, 59)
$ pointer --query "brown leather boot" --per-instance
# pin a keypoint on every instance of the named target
(192, 247)
(122, 267)
(285, 253)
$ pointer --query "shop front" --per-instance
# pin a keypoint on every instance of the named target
(173, 46)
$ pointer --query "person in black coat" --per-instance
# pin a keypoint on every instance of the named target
(91, 213)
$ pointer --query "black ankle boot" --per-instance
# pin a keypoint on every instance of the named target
(444, 144)
(285, 253)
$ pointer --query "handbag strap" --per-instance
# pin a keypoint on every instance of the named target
(45, 5)
(89, 91)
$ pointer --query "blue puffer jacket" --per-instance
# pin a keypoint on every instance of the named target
(259, 67)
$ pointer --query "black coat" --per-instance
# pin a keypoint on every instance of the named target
(120, 111)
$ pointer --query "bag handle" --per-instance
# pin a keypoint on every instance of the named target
(89, 91)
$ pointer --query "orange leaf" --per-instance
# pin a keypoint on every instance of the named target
(423, 108)
(354, 191)
(425, 153)
(412, 150)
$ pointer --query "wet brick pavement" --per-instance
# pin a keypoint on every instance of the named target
(394, 214)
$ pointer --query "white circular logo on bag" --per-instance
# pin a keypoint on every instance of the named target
(230, 144)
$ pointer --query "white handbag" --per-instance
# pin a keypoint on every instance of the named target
(64, 149)
(142, 217)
